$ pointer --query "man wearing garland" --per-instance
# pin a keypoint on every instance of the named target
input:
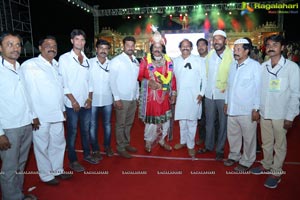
(157, 86)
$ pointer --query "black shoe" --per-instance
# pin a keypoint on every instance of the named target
(91, 159)
(97, 155)
(109, 152)
(52, 182)
(64, 176)
(202, 151)
(219, 156)
(76, 166)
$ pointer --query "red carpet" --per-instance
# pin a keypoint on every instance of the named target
(168, 175)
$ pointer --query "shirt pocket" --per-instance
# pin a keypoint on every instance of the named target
(284, 83)
(245, 81)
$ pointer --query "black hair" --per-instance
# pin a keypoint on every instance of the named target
(42, 40)
(202, 39)
(7, 33)
(129, 38)
(276, 38)
(76, 32)
(103, 42)
(191, 44)
(248, 46)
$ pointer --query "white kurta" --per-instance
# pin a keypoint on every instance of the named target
(45, 88)
(243, 91)
(190, 84)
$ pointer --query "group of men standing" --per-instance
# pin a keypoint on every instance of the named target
(239, 93)
(38, 96)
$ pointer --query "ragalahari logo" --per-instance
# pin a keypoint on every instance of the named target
(246, 8)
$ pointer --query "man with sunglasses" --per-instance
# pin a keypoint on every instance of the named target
(74, 68)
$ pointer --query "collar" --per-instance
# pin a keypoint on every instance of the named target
(75, 55)
(54, 62)
(133, 57)
(243, 63)
(106, 61)
(280, 63)
(8, 65)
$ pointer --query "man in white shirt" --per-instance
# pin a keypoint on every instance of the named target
(202, 47)
(241, 105)
(45, 89)
(279, 105)
(15, 119)
(74, 68)
(102, 99)
(218, 62)
(124, 70)
(190, 74)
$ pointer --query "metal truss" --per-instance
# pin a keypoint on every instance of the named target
(15, 16)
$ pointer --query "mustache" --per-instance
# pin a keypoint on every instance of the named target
(17, 52)
(185, 49)
(235, 55)
(51, 51)
(271, 51)
(157, 51)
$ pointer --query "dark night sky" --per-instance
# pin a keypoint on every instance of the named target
(58, 18)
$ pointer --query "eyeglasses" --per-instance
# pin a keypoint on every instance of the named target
(82, 65)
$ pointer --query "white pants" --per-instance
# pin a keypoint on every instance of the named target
(49, 149)
(187, 132)
(241, 132)
(152, 134)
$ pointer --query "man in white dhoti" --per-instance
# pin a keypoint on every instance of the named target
(190, 76)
